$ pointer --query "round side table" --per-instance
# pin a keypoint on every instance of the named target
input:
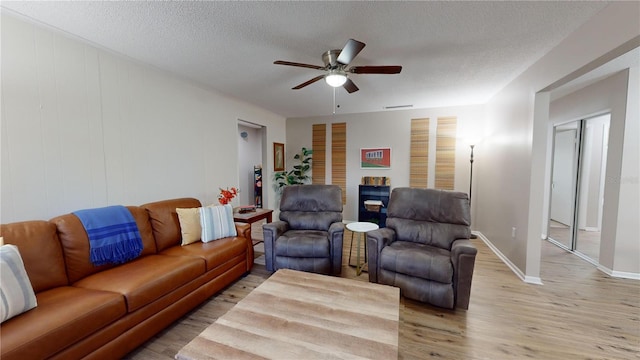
(360, 228)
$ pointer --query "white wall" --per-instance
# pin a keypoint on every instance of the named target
(511, 186)
(389, 129)
(82, 127)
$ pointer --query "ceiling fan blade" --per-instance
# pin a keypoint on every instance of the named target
(349, 51)
(391, 69)
(350, 86)
(308, 82)
(289, 63)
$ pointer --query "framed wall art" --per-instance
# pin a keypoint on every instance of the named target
(375, 158)
(278, 156)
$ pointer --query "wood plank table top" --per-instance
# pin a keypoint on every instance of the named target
(299, 315)
(253, 216)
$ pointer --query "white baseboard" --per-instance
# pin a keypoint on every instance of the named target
(619, 274)
(528, 279)
(604, 269)
(590, 229)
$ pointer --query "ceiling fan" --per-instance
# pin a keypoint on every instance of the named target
(335, 66)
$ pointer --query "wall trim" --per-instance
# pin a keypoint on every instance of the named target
(604, 269)
(619, 274)
(528, 279)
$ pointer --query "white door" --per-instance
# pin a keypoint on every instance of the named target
(562, 186)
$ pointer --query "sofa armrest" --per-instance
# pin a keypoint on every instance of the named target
(272, 231)
(376, 241)
(463, 258)
(244, 230)
(336, 234)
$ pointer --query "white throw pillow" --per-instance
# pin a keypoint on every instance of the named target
(16, 291)
(217, 222)
(189, 225)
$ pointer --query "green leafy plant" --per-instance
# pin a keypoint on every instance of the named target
(299, 175)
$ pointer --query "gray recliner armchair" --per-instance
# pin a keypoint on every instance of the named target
(425, 248)
(308, 236)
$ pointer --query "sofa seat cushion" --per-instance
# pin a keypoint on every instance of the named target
(146, 279)
(303, 244)
(418, 260)
(64, 316)
(215, 253)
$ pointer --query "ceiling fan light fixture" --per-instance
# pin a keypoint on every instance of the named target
(336, 79)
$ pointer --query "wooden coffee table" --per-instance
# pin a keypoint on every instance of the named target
(299, 315)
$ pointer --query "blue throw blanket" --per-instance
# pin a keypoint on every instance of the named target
(113, 234)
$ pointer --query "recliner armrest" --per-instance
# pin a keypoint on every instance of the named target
(376, 241)
(459, 248)
(275, 229)
(336, 234)
(336, 227)
(272, 231)
(462, 246)
(463, 258)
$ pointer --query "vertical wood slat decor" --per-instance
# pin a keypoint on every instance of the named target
(445, 153)
(319, 162)
(419, 158)
(339, 157)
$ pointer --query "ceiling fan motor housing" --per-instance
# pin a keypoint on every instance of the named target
(330, 59)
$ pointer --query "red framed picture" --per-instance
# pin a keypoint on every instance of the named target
(375, 158)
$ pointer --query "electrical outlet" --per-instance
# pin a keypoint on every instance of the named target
(513, 232)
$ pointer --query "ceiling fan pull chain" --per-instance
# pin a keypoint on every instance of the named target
(334, 101)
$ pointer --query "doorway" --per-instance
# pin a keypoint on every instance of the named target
(577, 185)
(250, 160)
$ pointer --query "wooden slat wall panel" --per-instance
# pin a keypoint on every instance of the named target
(319, 163)
(339, 157)
(445, 153)
(419, 160)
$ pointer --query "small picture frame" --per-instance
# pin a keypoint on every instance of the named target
(375, 158)
(278, 156)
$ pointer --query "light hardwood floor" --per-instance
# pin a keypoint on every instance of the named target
(588, 242)
(579, 313)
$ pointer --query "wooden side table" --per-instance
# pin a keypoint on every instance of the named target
(253, 216)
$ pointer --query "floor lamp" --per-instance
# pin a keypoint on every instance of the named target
(473, 236)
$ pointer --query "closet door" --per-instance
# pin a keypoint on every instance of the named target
(563, 183)
(577, 187)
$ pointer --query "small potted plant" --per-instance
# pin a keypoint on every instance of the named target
(299, 175)
(226, 195)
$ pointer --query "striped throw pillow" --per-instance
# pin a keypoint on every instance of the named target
(217, 222)
(16, 293)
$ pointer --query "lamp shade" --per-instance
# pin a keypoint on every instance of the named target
(335, 79)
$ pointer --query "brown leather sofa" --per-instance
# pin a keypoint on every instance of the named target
(104, 312)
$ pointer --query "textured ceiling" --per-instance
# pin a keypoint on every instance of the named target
(452, 53)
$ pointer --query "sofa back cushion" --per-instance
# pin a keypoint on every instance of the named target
(75, 243)
(429, 216)
(311, 207)
(164, 220)
(40, 250)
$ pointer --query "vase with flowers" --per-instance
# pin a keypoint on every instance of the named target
(226, 195)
